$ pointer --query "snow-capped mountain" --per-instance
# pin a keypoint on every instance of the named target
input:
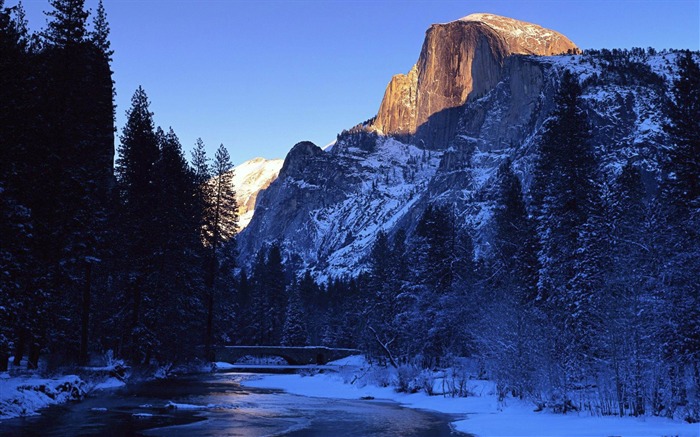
(479, 94)
(248, 179)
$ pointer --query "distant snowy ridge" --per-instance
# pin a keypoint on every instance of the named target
(249, 178)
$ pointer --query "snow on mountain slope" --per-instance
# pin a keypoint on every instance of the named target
(523, 37)
(249, 178)
(327, 207)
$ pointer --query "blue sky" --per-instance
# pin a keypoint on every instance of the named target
(259, 76)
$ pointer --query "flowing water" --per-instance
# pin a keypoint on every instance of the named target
(217, 405)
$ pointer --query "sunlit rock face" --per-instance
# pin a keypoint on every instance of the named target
(459, 60)
(249, 179)
(397, 112)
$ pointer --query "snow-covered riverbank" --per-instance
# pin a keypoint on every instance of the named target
(26, 395)
(23, 396)
(480, 414)
(24, 392)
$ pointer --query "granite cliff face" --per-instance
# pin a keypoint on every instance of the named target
(397, 112)
(459, 60)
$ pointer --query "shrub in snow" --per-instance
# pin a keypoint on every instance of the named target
(379, 375)
(164, 371)
(309, 372)
(426, 381)
(455, 382)
(117, 367)
(407, 378)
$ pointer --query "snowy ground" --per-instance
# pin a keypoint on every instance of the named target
(23, 396)
(481, 414)
(27, 393)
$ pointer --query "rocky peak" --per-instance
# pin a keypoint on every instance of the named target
(459, 59)
(299, 158)
(524, 38)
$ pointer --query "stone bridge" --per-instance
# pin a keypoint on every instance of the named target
(292, 354)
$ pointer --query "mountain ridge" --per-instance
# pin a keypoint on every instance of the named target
(326, 208)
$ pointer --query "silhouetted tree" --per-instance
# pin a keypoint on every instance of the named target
(220, 225)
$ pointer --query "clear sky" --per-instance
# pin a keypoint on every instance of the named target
(259, 76)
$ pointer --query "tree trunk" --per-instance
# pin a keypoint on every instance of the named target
(385, 347)
(136, 308)
(210, 322)
(85, 317)
(209, 284)
(4, 360)
(19, 348)
(33, 359)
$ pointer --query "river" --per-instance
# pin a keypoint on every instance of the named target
(218, 405)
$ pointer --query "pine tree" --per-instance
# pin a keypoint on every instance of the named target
(380, 295)
(436, 230)
(99, 35)
(138, 192)
(269, 297)
(15, 101)
(275, 286)
(200, 163)
(244, 308)
(379, 292)
(294, 331)
(138, 154)
(259, 322)
(67, 20)
(202, 174)
(509, 318)
(444, 278)
(562, 183)
(220, 225)
(380, 262)
(314, 301)
(175, 276)
(222, 211)
(226, 295)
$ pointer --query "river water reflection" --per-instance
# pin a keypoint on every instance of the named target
(217, 405)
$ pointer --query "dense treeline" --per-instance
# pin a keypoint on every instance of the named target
(587, 300)
(57, 148)
(93, 258)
